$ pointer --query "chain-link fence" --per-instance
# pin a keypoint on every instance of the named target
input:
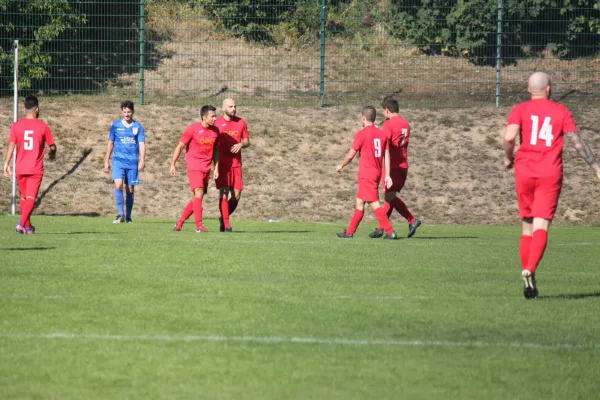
(305, 52)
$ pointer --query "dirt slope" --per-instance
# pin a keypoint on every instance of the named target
(455, 176)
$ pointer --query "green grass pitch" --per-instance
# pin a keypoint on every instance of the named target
(92, 310)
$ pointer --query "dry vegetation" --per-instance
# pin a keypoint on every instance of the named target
(456, 173)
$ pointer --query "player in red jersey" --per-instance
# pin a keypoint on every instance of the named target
(372, 145)
(234, 137)
(397, 131)
(201, 141)
(542, 125)
(29, 136)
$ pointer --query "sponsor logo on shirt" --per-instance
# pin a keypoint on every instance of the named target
(135, 131)
(231, 133)
(206, 141)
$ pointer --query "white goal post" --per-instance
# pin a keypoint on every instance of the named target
(15, 117)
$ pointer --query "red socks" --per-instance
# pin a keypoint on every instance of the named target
(198, 212)
(524, 250)
(384, 221)
(224, 209)
(356, 218)
(187, 212)
(26, 207)
(399, 206)
(539, 240)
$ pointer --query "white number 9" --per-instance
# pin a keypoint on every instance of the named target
(377, 144)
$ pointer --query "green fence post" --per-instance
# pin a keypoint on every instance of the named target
(498, 53)
(142, 34)
(322, 80)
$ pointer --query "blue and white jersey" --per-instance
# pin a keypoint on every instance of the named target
(127, 139)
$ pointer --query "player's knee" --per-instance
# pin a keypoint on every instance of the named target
(130, 189)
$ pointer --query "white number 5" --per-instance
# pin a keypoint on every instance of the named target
(377, 144)
(28, 140)
(545, 133)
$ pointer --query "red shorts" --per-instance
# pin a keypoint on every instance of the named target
(231, 178)
(29, 185)
(198, 179)
(538, 197)
(368, 190)
(398, 180)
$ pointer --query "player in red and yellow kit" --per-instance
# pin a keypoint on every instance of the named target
(372, 145)
(397, 131)
(201, 141)
(234, 137)
(542, 125)
(29, 136)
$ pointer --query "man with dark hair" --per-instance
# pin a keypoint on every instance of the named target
(542, 126)
(201, 141)
(29, 136)
(372, 145)
(397, 131)
(128, 139)
(234, 138)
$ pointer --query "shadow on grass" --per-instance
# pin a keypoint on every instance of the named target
(26, 248)
(441, 237)
(84, 155)
(574, 296)
(272, 231)
(89, 214)
(77, 233)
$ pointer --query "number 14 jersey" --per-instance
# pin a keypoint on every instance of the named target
(543, 125)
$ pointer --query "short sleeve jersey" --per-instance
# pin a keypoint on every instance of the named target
(200, 143)
(127, 139)
(31, 137)
(371, 143)
(543, 125)
(397, 131)
(232, 132)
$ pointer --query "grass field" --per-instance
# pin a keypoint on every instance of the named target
(93, 310)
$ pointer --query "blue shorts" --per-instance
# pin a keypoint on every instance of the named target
(128, 175)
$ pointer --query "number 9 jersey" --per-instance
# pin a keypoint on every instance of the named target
(31, 137)
(371, 143)
(543, 124)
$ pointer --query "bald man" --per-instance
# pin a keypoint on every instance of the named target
(542, 125)
(233, 138)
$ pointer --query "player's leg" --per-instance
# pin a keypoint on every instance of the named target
(22, 184)
(199, 192)
(359, 212)
(131, 182)
(187, 212)
(237, 183)
(224, 225)
(399, 180)
(118, 175)
(383, 219)
(387, 209)
(32, 186)
(525, 187)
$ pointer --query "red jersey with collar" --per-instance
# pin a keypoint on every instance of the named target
(200, 143)
(232, 132)
(371, 143)
(31, 137)
(397, 131)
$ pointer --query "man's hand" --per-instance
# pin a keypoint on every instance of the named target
(388, 182)
(216, 174)
(236, 148)
(509, 163)
(106, 167)
(6, 170)
(141, 165)
(172, 170)
(597, 170)
(339, 168)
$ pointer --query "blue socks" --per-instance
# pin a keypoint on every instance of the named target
(119, 201)
(128, 205)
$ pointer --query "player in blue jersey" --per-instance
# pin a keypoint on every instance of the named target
(127, 139)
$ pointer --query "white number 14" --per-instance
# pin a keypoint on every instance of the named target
(545, 133)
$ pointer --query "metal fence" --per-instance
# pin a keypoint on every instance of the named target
(309, 52)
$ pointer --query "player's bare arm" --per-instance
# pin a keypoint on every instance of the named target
(52, 152)
(9, 153)
(176, 155)
(584, 151)
(142, 162)
(510, 138)
(109, 149)
(236, 148)
(386, 162)
(216, 156)
(347, 160)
